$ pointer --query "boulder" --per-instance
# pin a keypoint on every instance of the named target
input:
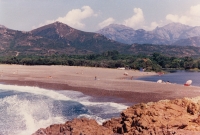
(82, 126)
(180, 116)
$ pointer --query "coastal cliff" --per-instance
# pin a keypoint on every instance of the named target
(166, 117)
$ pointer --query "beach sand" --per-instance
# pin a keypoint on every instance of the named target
(101, 83)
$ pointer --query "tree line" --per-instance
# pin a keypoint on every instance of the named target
(110, 59)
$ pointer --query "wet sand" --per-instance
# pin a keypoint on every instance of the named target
(109, 84)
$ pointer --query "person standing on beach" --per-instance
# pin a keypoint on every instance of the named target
(131, 77)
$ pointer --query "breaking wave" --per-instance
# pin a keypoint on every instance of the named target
(24, 109)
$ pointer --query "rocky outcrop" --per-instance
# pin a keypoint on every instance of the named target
(175, 117)
(164, 117)
(81, 126)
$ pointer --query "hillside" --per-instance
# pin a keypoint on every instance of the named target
(192, 41)
(59, 38)
(56, 38)
(168, 50)
(80, 41)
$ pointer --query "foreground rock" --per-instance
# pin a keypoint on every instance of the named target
(81, 126)
(175, 117)
(164, 117)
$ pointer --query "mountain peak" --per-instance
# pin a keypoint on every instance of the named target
(175, 23)
(59, 23)
(61, 31)
(172, 31)
(2, 26)
(176, 26)
(55, 30)
(52, 25)
(117, 26)
(179, 24)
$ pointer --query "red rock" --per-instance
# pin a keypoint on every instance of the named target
(81, 126)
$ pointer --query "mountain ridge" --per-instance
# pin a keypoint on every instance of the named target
(54, 38)
(166, 35)
(58, 38)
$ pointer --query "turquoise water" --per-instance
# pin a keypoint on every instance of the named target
(23, 110)
(179, 77)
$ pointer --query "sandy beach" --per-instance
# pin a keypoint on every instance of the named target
(110, 83)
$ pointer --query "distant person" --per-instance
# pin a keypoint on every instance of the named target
(131, 77)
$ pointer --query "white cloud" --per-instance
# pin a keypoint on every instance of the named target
(195, 10)
(106, 22)
(191, 17)
(152, 26)
(136, 20)
(180, 19)
(74, 17)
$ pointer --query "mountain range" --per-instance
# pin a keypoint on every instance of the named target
(55, 38)
(58, 38)
(171, 34)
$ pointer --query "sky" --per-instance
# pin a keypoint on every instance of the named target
(92, 15)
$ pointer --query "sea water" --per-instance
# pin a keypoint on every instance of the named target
(178, 76)
(23, 109)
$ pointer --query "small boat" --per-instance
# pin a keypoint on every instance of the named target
(159, 81)
(188, 83)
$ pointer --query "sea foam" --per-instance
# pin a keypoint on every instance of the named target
(26, 109)
(57, 96)
(21, 116)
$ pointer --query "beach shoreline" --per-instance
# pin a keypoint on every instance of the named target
(95, 82)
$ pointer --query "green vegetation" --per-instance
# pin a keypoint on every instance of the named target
(110, 59)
